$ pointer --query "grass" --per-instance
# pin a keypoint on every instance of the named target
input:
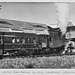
(53, 62)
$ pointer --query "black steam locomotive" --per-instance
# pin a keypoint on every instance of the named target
(19, 42)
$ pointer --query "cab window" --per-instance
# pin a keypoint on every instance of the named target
(50, 38)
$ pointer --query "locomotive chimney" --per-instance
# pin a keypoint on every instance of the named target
(62, 9)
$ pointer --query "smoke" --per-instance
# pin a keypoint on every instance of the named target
(62, 9)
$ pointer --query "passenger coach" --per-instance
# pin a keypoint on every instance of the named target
(14, 40)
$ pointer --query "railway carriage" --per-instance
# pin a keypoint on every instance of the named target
(11, 42)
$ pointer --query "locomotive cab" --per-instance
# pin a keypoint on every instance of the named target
(56, 42)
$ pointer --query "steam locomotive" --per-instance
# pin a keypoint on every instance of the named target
(18, 42)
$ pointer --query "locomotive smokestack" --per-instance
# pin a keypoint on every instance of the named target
(62, 9)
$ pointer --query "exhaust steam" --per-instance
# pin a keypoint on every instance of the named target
(62, 9)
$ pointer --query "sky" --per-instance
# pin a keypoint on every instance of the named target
(44, 12)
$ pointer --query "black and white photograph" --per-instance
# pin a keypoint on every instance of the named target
(37, 35)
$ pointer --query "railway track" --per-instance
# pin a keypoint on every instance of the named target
(36, 55)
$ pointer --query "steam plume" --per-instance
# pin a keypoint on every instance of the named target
(62, 9)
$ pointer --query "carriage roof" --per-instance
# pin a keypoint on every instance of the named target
(23, 27)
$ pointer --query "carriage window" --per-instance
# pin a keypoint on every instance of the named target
(22, 40)
(13, 40)
(0, 39)
(27, 40)
(7, 39)
(30, 40)
(18, 40)
(34, 40)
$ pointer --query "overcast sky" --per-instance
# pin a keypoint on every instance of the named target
(33, 12)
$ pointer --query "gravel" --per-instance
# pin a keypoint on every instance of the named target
(53, 62)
